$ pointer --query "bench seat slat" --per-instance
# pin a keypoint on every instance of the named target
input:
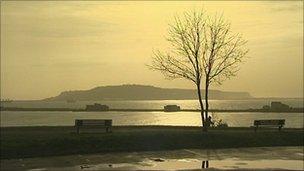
(107, 123)
(269, 123)
(93, 122)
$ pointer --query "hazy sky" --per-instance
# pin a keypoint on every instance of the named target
(49, 47)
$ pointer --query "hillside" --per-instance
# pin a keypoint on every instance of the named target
(142, 92)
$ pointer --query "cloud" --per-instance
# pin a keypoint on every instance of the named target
(286, 6)
(62, 27)
(48, 21)
(70, 64)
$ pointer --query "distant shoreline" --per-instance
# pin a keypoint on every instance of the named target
(293, 110)
(253, 98)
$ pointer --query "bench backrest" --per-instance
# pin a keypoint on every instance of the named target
(270, 122)
(93, 122)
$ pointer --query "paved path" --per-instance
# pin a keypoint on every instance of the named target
(263, 158)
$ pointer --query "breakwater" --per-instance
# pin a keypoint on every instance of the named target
(292, 110)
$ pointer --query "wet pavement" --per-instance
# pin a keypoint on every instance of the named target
(263, 158)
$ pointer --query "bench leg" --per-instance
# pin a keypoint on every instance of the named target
(280, 128)
(77, 129)
(255, 128)
(108, 129)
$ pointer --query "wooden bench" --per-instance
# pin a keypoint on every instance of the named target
(94, 123)
(269, 123)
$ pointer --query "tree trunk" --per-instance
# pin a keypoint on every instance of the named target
(207, 103)
(201, 105)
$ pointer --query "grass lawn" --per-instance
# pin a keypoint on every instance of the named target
(21, 142)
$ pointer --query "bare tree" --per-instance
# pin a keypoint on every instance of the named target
(202, 48)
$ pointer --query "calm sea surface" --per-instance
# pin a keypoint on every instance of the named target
(28, 118)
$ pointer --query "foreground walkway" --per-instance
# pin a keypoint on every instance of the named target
(262, 158)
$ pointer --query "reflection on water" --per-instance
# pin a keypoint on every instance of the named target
(191, 164)
(28, 118)
(265, 158)
(234, 163)
(205, 164)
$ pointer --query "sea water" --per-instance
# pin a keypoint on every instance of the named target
(62, 118)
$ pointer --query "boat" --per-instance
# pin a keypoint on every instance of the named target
(71, 101)
(6, 101)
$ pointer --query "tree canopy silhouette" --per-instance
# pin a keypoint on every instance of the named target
(203, 48)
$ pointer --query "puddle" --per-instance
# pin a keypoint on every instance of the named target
(192, 164)
(38, 169)
(224, 164)
(264, 158)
